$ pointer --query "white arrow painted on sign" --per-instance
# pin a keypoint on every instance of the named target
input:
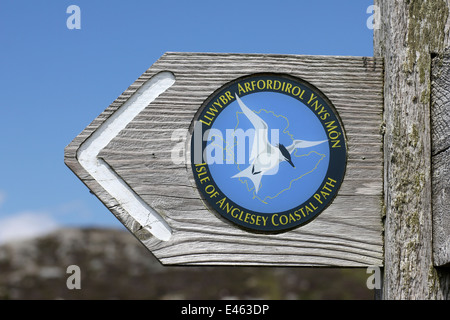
(112, 183)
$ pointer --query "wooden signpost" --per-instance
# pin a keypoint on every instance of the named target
(344, 160)
(136, 157)
(411, 35)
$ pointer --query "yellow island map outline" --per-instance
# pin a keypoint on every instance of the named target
(245, 181)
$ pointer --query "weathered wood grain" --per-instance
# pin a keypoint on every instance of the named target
(410, 32)
(440, 130)
(347, 233)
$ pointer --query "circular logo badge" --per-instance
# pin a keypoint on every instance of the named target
(268, 152)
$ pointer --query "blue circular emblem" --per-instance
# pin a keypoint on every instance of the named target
(268, 152)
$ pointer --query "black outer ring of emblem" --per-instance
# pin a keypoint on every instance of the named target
(336, 168)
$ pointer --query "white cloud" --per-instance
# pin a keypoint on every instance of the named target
(26, 225)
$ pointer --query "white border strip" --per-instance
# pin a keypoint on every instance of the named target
(102, 172)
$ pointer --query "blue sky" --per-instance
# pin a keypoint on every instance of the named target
(54, 81)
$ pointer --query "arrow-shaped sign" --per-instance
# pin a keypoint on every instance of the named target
(125, 157)
(102, 172)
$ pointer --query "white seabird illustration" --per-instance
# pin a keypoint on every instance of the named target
(265, 156)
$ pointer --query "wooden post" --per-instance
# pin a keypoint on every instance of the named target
(440, 133)
(410, 33)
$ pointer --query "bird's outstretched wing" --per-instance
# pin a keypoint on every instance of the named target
(303, 144)
(261, 139)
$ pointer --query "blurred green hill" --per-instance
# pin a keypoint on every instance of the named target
(114, 265)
